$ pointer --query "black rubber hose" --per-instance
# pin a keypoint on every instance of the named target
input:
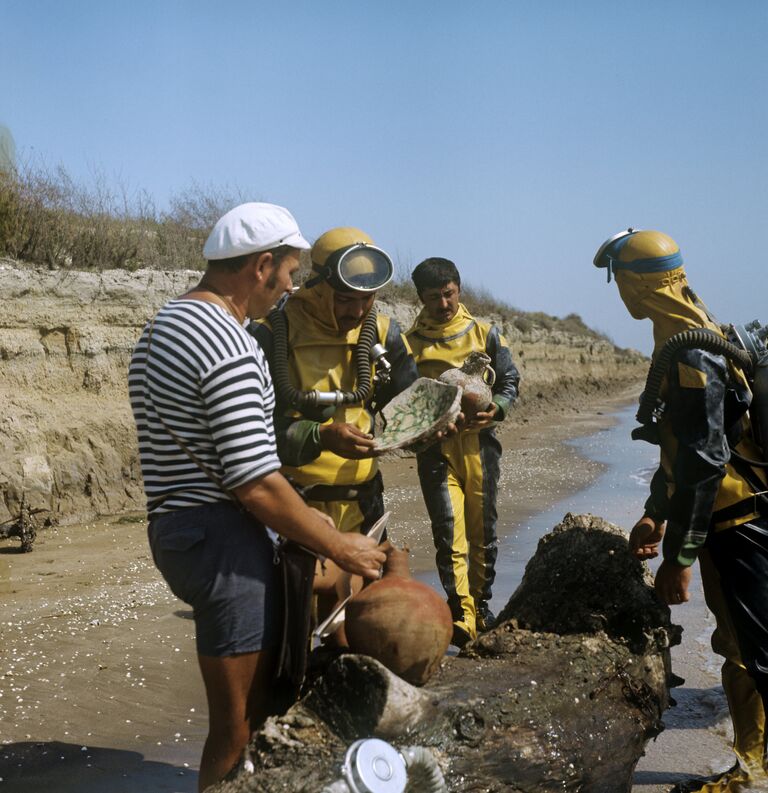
(368, 335)
(302, 400)
(698, 338)
(286, 393)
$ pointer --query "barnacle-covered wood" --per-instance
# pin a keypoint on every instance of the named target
(561, 696)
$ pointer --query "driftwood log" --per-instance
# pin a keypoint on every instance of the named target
(561, 696)
(26, 526)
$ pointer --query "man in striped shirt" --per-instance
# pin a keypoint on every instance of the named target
(202, 400)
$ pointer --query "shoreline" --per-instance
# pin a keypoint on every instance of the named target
(100, 687)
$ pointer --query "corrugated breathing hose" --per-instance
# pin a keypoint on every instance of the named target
(302, 400)
(709, 341)
(424, 773)
(699, 338)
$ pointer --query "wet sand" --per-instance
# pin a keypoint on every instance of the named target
(98, 675)
(99, 687)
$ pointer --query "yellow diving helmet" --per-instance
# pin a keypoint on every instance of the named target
(348, 260)
(639, 251)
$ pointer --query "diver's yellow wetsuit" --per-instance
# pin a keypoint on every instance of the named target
(709, 502)
(459, 476)
(322, 357)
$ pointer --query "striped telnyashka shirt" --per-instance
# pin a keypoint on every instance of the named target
(209, 381)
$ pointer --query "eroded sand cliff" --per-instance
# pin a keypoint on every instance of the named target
(67, 439)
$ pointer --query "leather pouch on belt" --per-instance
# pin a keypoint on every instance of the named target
(297, 572)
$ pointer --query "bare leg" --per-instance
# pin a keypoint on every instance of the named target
(237, 688)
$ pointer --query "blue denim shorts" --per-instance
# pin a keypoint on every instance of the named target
(219, 560)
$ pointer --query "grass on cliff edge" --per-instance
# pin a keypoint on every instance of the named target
(47, 219)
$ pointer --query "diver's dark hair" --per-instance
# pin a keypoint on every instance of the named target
(236, 263)
(435, 273)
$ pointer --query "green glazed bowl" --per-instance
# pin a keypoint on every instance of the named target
(416, 415)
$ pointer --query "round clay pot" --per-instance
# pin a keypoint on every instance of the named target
(402, 623)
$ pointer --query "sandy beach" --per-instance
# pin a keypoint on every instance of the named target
(99, 689)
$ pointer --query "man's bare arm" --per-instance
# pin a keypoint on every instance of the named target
(273, 501)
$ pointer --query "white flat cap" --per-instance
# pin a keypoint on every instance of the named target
(251, 228)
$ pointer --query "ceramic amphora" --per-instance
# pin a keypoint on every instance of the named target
(475, 378)
(402, 623)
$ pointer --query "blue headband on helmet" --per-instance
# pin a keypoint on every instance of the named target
(658, 264)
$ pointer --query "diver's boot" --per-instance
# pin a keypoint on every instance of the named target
(461, 635)
(486, 619)
(735, 780)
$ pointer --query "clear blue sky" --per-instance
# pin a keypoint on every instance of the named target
(512, 137)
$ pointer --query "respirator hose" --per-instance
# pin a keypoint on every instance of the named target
(367, 338)
(698, 338)
(424, 774)
(302, 400)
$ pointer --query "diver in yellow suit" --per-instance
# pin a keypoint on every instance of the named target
(334, 361)
(707, 500)
(459, 476)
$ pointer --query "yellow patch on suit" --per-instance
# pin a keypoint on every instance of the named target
(690, 377)
(322, 357)
(346, 515)
(733, 489)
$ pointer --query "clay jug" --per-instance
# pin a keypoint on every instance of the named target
(402, 623)
(475, 377)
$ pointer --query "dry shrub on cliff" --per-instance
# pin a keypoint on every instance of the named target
(46, 218)
(181, 232)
